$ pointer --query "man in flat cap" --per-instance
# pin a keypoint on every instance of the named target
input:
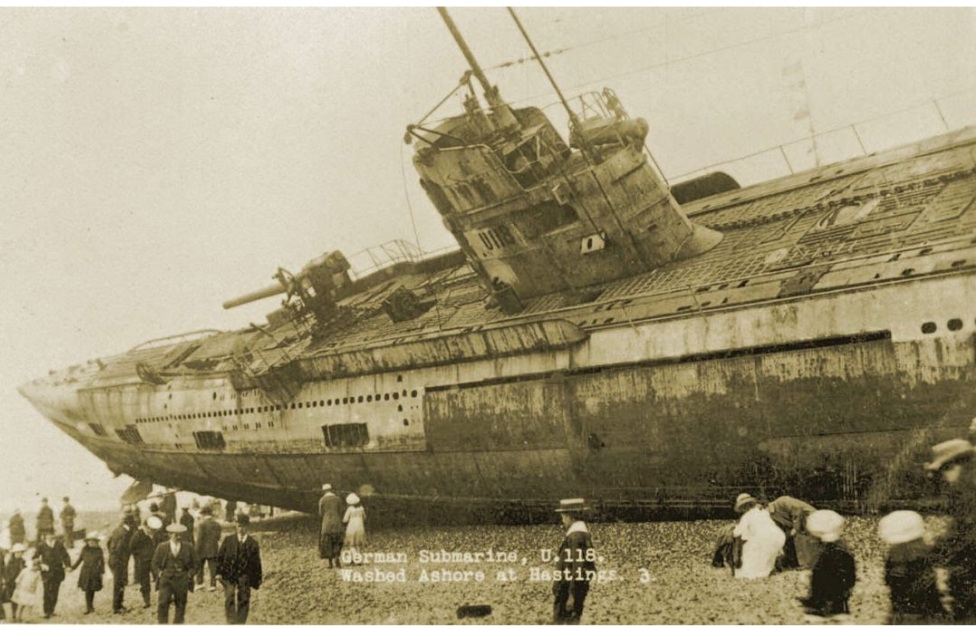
(207, 544)
(330, 533)
(575, 562)
(956, 549)
(175, 564)
(239, 569)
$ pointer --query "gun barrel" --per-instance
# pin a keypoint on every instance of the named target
(253, 296)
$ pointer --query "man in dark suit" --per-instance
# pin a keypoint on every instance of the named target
(118, 562)
(54, 560)
(143, 548)
(174, 563)
(239, 568)
(207, 544)
(187, 521)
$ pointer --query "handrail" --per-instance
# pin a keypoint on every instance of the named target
(187, 336)
(852, 127)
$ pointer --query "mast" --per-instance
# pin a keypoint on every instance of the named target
(494, 99)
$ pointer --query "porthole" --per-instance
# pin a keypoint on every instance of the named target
(293, 405)
(406, 422)
(360, 399)
(957, 263)
(396, 396)
(907, 272)
(399, 407)
(954, 324)
(215, 395)
(399, 378)
(345, 401)
(369, 398)
(924, 251)
(329, 402)
(404, 393)
(301, 405)
(928, 328)
(413, 394)
(386, 396)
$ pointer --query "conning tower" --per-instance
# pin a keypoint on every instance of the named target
(536, 215)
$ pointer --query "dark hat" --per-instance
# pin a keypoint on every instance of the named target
(154, 507)
(243, 519)
(206, 510)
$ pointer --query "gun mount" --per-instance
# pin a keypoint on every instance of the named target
(314, 289)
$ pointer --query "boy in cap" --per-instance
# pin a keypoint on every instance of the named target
(957, 546)
(575, 562)
(909, 570)
(175, 564)
(833, 575)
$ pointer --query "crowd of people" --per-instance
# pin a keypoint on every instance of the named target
(789, 533)
(786, 533)
(174, 555)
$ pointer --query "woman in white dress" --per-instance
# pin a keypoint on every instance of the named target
(762, 540)
(355, 519)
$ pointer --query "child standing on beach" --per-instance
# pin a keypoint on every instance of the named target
(92, 561)
(27, 592)
(910, 571)
(832, 578)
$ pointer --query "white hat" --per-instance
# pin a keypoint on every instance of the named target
(326, 486)
(901, 527)
(572, 505)
(352, 499)
(92, 536)
(154, 522)
(176, 528)
(948, 452)
(826, 525)
(743, 500)
(18, 547)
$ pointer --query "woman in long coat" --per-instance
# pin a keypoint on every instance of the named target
(762, 540)
(92, 561)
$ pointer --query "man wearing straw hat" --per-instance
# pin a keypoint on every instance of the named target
(175, 563)
(575, 563)
(957, 547)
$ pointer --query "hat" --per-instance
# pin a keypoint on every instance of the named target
(826, 525)
(176, 528)
(154, 522)
(92, 536)
(352, 499)
(901, 527)
(743, 500)
(243, 519)
(326, 486)
(18, 547)
(206, 510)
(948, 452)
(572, 505)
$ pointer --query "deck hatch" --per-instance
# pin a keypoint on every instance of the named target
(130, 434)
(209, 440)
(345, 435)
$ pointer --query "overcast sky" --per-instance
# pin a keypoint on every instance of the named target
(157, 162)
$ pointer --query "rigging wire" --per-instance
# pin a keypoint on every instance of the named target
(670, 62)
(621, 35)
